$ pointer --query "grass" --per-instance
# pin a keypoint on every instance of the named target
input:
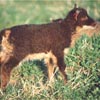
(27, 79)
(15, 12)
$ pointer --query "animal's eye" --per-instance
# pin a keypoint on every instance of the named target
(84, 18)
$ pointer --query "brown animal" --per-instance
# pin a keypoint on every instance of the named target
(20, 41)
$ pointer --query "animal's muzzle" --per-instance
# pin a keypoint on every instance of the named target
(91, 21)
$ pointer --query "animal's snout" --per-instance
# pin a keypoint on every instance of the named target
(94, 24)
(91, 21)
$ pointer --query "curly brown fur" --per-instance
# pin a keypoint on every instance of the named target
(29, 39)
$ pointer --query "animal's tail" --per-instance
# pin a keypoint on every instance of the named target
(6, 32)
(1, 34)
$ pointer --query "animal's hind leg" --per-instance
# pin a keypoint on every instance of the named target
(6, 68)
(50, 70)
(51, 62)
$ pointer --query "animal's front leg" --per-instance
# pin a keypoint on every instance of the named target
(62, 66)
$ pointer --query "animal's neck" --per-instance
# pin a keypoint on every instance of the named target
(70, 23)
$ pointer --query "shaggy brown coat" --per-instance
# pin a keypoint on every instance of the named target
(20, 41)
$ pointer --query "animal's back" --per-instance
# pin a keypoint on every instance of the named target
(39, 38)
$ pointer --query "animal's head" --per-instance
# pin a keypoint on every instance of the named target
(79, 17)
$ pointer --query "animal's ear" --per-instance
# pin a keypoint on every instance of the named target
(75, 6)
(76, 13)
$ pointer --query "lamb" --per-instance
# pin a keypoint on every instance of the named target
(17, 42)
